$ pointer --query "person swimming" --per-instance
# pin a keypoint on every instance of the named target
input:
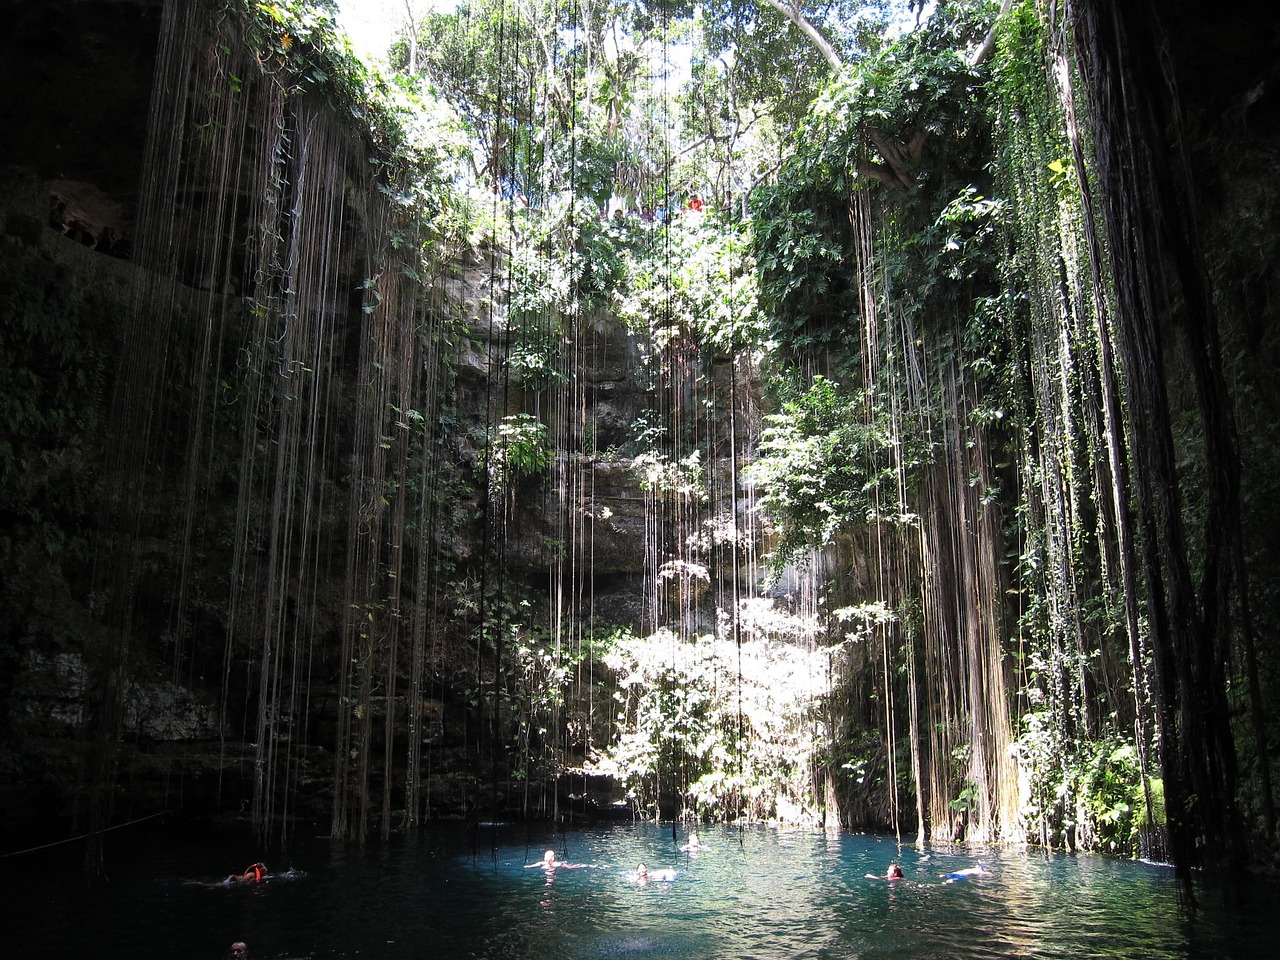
(548, 862)
(967, 872)
(643, 874)
(893, 873)
(255, 873)
(693, 843)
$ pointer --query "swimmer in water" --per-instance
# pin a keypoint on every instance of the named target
(239, 951)
(693, 844)
(253, 874)
(643, 874)
(967, 872)
(548, 862)
(893, 873)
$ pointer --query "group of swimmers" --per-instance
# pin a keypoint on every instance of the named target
(257, 872)
(641, 874)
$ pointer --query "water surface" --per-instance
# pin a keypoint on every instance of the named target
(457, 892)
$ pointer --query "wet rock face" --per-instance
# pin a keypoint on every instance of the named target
(90, 217)
(53, 703)
(50, 619)
(75, 88)
(75, 84)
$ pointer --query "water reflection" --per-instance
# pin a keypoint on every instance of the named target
(754, 893)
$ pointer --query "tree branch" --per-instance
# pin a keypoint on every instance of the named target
(792, 12)
(983, 53)
(882, 173)
(900, 160)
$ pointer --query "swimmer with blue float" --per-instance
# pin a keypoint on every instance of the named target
(966, 873)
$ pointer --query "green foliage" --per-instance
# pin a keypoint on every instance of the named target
(518, 449)
(1092, 789)
(723, 730)
(907, 123)
(657, 472)
(693, 277)
(477, 60)
(596, 264)
(536, 361)
(540, 90)
(416, 143)
(803, 244)
(1076, 740)
(765, 58)
(922, 81)
(967, 799)
(825, 461)
(564, 259)
(539, 673)
(666, 718)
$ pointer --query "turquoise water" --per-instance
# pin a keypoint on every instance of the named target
(458, 892)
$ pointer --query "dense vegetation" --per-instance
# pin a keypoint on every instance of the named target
(924, 275)
(949, 448)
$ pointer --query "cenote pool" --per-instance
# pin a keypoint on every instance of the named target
(465, 892)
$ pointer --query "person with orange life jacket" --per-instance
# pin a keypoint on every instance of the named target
(255, 873)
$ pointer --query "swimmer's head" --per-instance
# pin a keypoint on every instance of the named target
(549, 857)
(239, 951)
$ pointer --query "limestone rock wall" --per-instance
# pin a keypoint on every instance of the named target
(73, 107)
